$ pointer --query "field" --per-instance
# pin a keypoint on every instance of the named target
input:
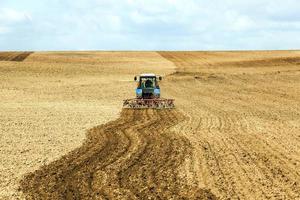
(235, 132)
(14, 56)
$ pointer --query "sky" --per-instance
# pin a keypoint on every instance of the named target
(149, 24)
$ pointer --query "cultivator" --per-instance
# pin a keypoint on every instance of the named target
(148, 94)
(148, 103)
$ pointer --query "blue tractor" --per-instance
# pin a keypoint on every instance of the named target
(148, 94)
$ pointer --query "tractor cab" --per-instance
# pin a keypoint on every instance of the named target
(147, 82)
(147, 86)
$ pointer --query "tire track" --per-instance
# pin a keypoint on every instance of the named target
(14, 56)
(242, 128)
(134, 157)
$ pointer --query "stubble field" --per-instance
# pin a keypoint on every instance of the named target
(235, 132)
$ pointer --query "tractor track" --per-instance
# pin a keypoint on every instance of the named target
(134, 157)
(14, 56)
(240, 125)
(233, 135)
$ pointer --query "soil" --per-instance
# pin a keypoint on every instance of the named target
(14, 56)
(133, 157)
(234, 134)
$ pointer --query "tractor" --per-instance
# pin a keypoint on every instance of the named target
(148, 94)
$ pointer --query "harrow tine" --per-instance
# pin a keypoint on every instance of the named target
(149, 103)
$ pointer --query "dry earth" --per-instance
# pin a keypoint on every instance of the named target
(235, 133)
(244, 121)
(14, 56)
(51, 99)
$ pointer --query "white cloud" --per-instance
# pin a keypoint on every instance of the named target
(145, 24)
(8, 15)
(11, 19)
(236, 22)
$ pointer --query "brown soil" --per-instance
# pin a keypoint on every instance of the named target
(14, 56)
(134, 157)
(235, 132)
(51, 99)
(243, 121)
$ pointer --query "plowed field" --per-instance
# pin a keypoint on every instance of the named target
(134, 157)
(14, 56)
(235, 132)
(244, 121)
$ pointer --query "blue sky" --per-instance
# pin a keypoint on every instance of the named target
(149, 24)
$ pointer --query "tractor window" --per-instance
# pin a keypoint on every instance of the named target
(147, 82)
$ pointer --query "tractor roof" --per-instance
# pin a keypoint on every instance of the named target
(147, 75)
